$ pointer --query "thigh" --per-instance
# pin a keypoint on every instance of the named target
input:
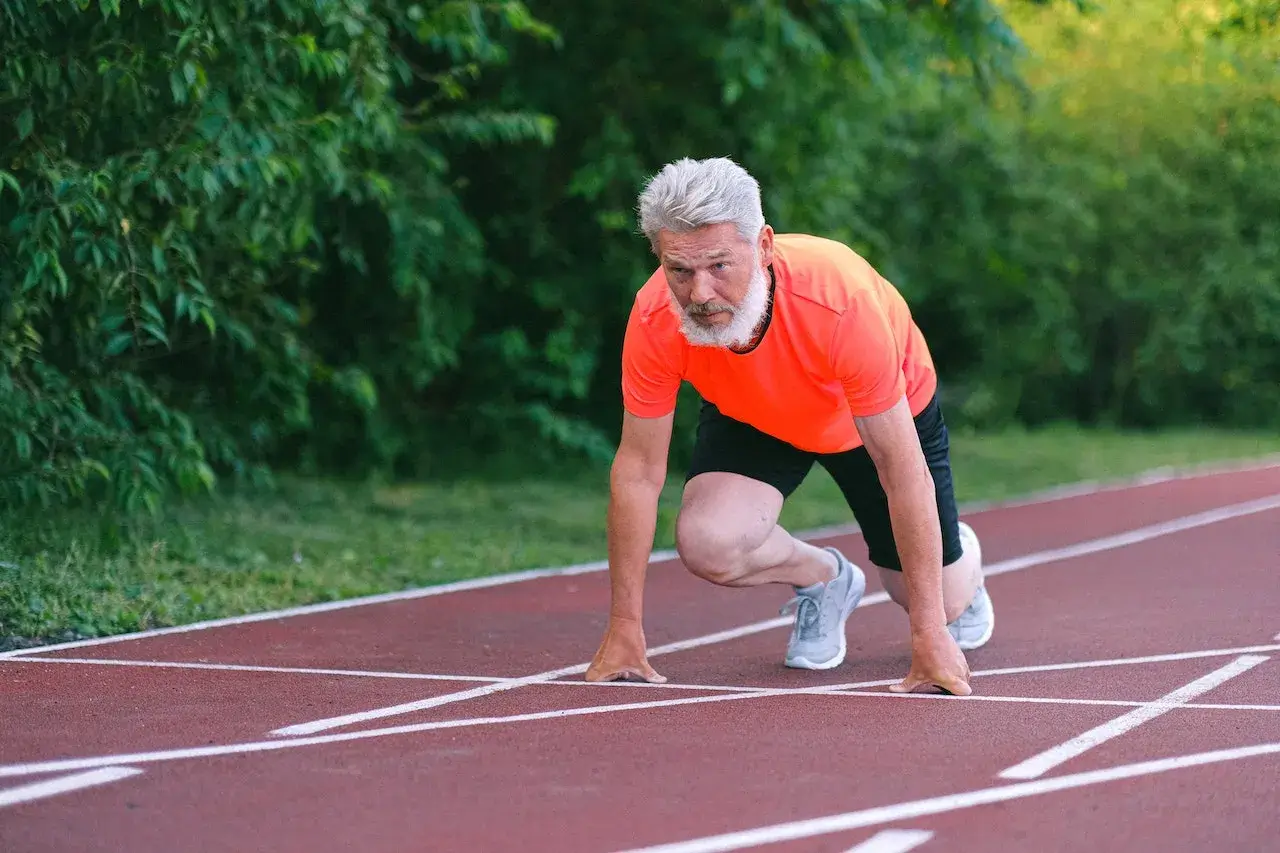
(727, 446)
(859, 482)
(736, 483)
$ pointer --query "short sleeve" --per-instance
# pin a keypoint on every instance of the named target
(867, 357)
(650, 371)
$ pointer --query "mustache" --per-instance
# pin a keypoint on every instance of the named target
(709, 308)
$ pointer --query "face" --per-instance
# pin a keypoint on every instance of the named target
(718, 282)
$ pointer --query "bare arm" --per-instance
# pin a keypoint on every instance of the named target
(635, 483)
(894, 446)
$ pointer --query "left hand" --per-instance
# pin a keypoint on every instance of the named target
(936, 661)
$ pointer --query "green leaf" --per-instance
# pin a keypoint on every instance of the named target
(26, 123)
(156, 331)
(118, 343)
(8, 180)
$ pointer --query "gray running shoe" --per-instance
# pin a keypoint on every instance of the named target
(817, 638)
(972, 628)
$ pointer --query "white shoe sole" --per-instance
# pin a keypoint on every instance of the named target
(805, 663)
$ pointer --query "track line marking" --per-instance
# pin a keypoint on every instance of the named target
(1088, 664)
(1091, 546)
(423, 704)
(310, 728)
(235, 667)
(1042, 763)
(1060, 700)
(64, 785)
(414, 676)
(63, 765)
(951, 802)
(893, 841)
(1044, 496)
(857, 690)
(1137, 535)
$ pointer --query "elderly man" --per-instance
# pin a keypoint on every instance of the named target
(801, 353)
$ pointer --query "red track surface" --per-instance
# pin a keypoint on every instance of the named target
(574, 772)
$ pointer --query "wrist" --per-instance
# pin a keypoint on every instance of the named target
(927, 622)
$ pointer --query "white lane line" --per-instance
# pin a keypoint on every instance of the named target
(423, 704)
(1040, 764)
(415, 676)
(63, 765)
(1060, 700)
(1087, 664)
(1008, 670)
(1051, 495)
(329, 606)
(64, 785)
(1088, 488)
(892, 841)
(1091, 546)
(1137, 535)
(235, 667)
(951, 802)
(857, 690)
(310, 728)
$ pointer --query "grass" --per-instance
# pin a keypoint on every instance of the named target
(317, 540)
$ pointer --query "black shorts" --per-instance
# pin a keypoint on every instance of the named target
(725, 444)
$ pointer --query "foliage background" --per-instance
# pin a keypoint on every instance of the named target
(241, 237)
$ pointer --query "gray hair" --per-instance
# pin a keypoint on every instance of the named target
(689, 194)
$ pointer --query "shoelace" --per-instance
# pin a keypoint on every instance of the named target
(807, 620)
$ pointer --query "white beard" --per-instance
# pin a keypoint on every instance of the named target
(741, 329)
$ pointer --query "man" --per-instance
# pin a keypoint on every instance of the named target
(802, 353)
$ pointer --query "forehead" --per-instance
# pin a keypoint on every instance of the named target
(708, 243)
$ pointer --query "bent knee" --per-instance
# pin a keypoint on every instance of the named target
(957, 591)
(952, 607)
(706, 551)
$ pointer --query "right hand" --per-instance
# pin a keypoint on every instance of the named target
(936, 661)
(621, 655)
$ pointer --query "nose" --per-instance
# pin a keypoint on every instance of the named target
(703, 290)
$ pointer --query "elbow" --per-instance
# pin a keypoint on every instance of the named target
(630, 470)
(905, 475)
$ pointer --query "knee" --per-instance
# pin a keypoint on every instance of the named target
(962, 578)
(953, 606)
(707, 550)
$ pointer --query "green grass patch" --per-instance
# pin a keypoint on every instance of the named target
(320, 540)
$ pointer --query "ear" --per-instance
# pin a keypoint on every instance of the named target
(765, 245)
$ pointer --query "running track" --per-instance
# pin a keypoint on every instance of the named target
(1130, 699)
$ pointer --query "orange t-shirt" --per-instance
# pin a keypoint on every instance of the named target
(841, 343)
